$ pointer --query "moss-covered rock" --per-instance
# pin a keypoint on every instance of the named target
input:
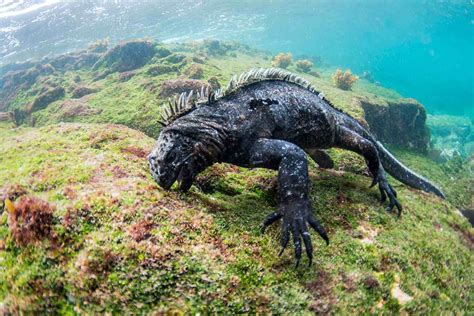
(117, 243)
(452, 134)
(133, 97)
(81, 91)
(160, 69)
(402, 123)
(127, 56)
(195, 71)
(47, 97)
(7, 120)
(173, 87)
(174, 58)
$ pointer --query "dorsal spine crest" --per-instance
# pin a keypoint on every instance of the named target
(185, 103)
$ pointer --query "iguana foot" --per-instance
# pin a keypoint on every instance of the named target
(387, 190)
(295, 216)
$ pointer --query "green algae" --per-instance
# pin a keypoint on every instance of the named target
(136, 102)
(120, 244)
(205, 251)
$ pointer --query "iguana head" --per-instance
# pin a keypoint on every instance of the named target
(172, 160)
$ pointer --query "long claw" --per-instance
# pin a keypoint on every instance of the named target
(297, 241)
(270, 219)
(308, 245)
(285, 238)
(313, 222)
(383, 196)
(399, 208)
(391, 189)
(387, 189)
(374, 182)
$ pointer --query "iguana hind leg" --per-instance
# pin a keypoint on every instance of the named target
(294, 204)
(352, 141)
(321, 157)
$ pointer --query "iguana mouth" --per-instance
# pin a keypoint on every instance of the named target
(185, 177)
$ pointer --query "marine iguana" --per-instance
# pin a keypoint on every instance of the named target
(270, 118)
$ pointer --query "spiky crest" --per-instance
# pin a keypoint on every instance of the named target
(185, 103)
(265, 74)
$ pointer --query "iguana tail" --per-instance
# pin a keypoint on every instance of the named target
(400, 172)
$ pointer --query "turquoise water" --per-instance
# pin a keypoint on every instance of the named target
(423, 49)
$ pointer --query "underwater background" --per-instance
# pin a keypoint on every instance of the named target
(85, 229)
(422, 49)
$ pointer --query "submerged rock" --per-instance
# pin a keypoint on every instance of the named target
(157, 70)
(75, 108)
(452, 133)
(127, 75)
(127, 56)
(172, 87)
(195, 71)
(81, 91)
(401, 123)
(46, 98)
(175, 58)
(99, 224)
(7, 119)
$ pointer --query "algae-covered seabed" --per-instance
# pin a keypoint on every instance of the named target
(119, 243)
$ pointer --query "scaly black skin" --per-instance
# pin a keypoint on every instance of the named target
(272, 124)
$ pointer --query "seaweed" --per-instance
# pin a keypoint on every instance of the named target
(282, 60)
(304, 65)
(344, 80)
(30, 220)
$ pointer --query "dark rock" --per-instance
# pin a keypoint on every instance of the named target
(14, 81)
(162, 51)
(25, 77)
(46, 98)
(172, 87)
(370, 283)
(199, 59)
(16, 67)
(400, 123)
(86, 60)
(81, 91)
(64, 62)
(159, 69)
(79, 60)
(195, 71)
(99, 46)
(216, 48)
(74, 108)
(127, 75)
(174, 58)
(127, 56)
(101, 75)
(7, 119)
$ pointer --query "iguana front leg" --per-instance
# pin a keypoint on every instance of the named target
(294, 204)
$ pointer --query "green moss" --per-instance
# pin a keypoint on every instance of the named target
(203, 251)
(136, 102)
